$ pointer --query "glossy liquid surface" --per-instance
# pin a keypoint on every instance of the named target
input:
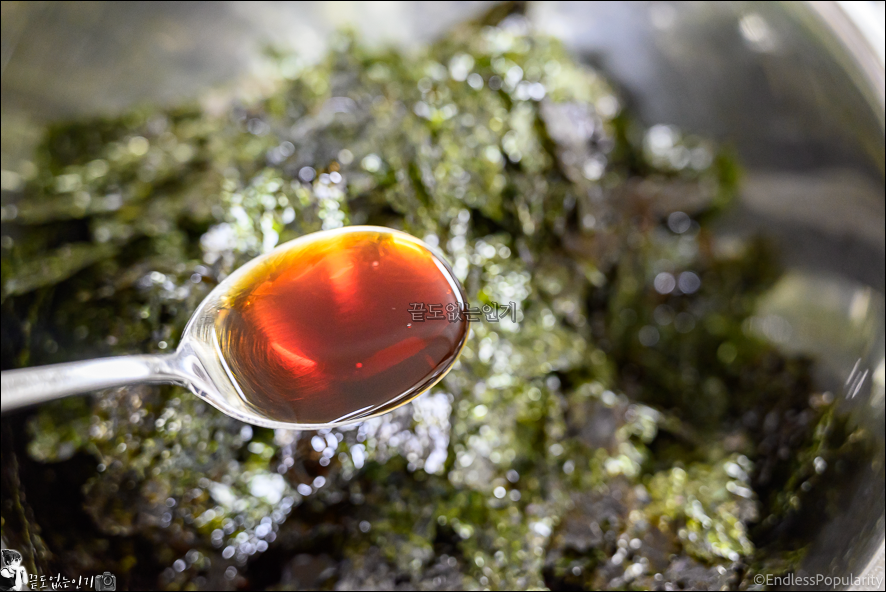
(320, 331)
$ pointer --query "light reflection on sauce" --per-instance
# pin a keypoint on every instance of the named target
(321, 330)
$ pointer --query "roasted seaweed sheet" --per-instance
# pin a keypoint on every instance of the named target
(629, 431)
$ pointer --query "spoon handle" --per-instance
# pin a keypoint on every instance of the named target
(28, 386)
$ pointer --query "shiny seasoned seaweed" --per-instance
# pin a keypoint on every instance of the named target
(626, 432)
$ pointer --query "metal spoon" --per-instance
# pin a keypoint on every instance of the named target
(198, 363)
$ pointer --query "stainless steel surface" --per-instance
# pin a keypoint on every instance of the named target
(30, 386)
(796, 89)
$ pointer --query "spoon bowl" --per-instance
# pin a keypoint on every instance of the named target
(324, 330)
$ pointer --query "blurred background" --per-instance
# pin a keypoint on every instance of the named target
(797, 89)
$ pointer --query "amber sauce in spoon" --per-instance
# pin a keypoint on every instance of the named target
(322, 332)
